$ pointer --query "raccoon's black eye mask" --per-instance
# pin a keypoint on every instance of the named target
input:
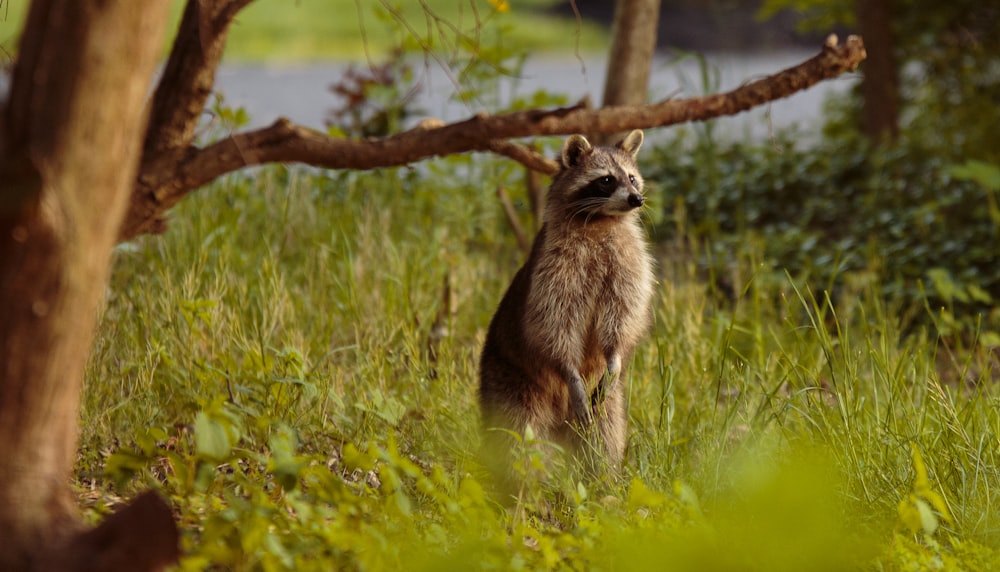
(606, 184)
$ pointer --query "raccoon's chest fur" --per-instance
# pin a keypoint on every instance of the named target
(595, 278)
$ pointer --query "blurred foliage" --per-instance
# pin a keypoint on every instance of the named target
(378, 99)
(925, 229)
(814, 15)
(374, 100)
(919, 216)
(279, 31)
(948, 55)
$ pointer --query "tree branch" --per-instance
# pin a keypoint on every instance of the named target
(524, 155)
(523, 242)
(189, 75)
(164, 181)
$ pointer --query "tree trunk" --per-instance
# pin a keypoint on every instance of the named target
(880, 82)
(69, 147)
(632, 47)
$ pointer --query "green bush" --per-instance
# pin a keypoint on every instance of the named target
(926, 229)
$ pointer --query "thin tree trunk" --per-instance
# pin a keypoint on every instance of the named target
(632, 46)
(69, 148)
(880, 82)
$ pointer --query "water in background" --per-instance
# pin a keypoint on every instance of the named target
(301, 93)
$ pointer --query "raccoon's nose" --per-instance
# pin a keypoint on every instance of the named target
(635, 200)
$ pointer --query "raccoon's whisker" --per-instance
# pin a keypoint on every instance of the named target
(581, 210)
(645, 213)
(585, 206)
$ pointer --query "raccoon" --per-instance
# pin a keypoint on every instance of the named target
(574, 312)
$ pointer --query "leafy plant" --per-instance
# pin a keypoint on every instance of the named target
(375, 100)
(839, 212)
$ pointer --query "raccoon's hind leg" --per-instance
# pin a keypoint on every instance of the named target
(610, 417)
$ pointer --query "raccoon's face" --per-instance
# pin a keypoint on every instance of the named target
(598, 181)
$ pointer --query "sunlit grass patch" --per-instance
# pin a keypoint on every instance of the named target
(293, 364)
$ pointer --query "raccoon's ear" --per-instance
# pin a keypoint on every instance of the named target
(631, 143)
(573, 150)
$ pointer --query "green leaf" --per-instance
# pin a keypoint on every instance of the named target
(639, 496)
(283, 463)
(470, 493)
(928, 521)
(689, 499)
(355, 459)
(909, 515)
(124, 463)
(920, 481)
(147, 440)
(917, 510)
(211, 438)
(978, 294)
(937, 502)
(945, 286)
(985, 174)
(989, 339)
(529, 434)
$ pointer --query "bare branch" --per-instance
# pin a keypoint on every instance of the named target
(164, 181)
(189, 75)
(524, 155)
(515, 223)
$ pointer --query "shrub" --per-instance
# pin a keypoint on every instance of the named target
(928, 231)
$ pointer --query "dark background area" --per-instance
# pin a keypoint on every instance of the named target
(709, 25)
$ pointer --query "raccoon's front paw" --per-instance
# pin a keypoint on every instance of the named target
(607, 382)
(580, 403)
(603, 389)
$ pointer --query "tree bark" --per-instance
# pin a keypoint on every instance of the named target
(69, 144)
(632, 46)
(166, 180)
(189, 76)
(880, 80)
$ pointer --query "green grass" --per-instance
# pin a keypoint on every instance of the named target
(285, 31)
(266, 366)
